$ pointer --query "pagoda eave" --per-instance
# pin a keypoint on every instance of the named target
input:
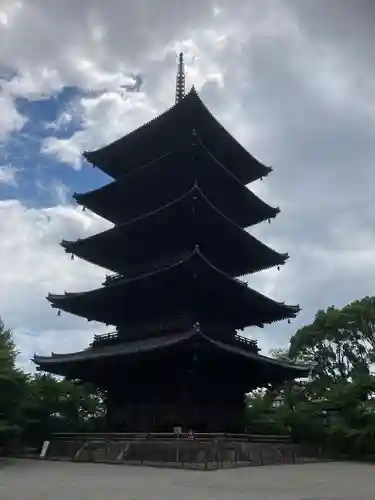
(237, 269)
(194, 221)
(193, 280)
(102, 204)
(170, 177)
(57, 302)
(153, 139)
(63, 363)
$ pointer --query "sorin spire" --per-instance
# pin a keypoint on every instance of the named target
(180, 79)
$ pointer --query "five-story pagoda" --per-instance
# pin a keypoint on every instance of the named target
(179, 205)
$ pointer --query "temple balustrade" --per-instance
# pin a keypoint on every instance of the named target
(117, 337)
(145, 329)
(200, 451)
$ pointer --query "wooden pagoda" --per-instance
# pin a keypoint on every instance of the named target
(179, 207)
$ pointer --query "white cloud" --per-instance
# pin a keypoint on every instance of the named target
(58, 340)
(10, 119)
(61, 192)
(63, 120)
(32, 264)
(112, 113)
(57, 191)
(120, 113)
(100, 54)
(8, 175)
(103, 44)
(8, 11)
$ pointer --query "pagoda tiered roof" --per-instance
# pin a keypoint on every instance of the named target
(192, 284)
(81, 361)
(180, 209)
(163, 133)
(174, 230)
(169, 177)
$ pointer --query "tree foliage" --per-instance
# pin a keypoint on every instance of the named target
(12, 387)
(53, 405)
(32, 407)
(339, 343)
(336, 405)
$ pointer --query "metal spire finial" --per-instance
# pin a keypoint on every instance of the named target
(180, 80)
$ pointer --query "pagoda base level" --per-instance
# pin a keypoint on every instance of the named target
(208, 415)
(203, 452)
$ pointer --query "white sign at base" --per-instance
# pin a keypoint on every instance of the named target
(44, 450)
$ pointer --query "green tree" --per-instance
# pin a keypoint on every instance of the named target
(12, 388)
(335, 407)
(41, 408)
(339, 344)
(35, 406)
(81, 406)
(58, 405)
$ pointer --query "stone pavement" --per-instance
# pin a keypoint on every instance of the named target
(38, 480)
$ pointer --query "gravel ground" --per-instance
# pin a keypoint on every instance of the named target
(37, 480)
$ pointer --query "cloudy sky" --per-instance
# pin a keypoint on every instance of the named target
(292, 80)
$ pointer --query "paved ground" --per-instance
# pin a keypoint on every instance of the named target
(37, 480)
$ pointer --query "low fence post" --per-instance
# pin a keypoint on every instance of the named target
(178, 450)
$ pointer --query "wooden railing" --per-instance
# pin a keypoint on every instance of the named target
(172, 436)
(245, 340)
(114, 336)
(205, 451)
(105, 337)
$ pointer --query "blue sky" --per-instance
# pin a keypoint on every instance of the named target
(293, 81)
(37, 174)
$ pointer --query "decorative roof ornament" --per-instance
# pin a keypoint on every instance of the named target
(180, 79)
